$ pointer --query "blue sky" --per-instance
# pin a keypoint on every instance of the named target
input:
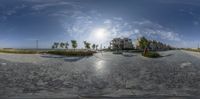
(22, 22)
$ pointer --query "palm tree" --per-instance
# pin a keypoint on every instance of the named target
(66, 45)
(62, 45)
(53, 46)
(74, 44)
(56, 44)
(143, 43)
(87, 45)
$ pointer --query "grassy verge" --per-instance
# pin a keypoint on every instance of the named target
(194, 50)
(14, 51)
(72, 53)
(55, 52)
(151, 55)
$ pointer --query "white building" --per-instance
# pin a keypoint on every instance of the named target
(124, 43)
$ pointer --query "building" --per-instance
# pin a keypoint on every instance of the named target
(124, 43)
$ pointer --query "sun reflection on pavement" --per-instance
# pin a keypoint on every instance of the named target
(99, 65)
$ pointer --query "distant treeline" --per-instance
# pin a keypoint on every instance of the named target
(74, 45)
(143, 43)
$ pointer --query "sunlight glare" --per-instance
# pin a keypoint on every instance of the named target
(100, 33)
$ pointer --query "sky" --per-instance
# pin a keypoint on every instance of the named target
(22, 22)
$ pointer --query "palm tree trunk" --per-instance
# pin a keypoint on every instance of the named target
(145, 50)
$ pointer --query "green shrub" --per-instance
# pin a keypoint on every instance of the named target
(151, 55)
(55, 52)
(72, 53)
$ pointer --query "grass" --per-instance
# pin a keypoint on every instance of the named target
(18, 51)
(151, 55)
(72, 53)
(55, 52)
(194, 50)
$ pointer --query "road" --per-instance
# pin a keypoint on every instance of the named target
(177, 73)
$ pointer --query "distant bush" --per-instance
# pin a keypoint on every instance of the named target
(15, 51)
(151, 55)
(55, 52)
(194, 50)
(72, 53)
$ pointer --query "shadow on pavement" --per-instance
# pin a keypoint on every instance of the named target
(167, 55)
(128, 55)
(52, 56)
(67, 59)
(73, 59)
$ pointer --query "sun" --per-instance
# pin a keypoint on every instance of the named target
(100, 33)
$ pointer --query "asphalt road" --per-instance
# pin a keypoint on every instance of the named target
(177, 73)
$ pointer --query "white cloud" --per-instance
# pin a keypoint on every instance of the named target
(42, 1)
(50, 4)
(107, 21)
(85, 21)
(169, 36)
(14, 9)
(117, 27)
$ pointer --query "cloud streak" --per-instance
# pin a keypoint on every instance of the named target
(118, 27)
(78, 21)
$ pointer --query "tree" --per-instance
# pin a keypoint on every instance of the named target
(53, 46)
(93, 46)
(143, 43)
(62, 45)
(152, 44)
(74, 44)
(56, 45)
(66, 45)
(87, 45)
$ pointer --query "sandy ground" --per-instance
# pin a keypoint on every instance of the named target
(177, 73)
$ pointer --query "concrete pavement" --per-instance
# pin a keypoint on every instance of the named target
(175, 74)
